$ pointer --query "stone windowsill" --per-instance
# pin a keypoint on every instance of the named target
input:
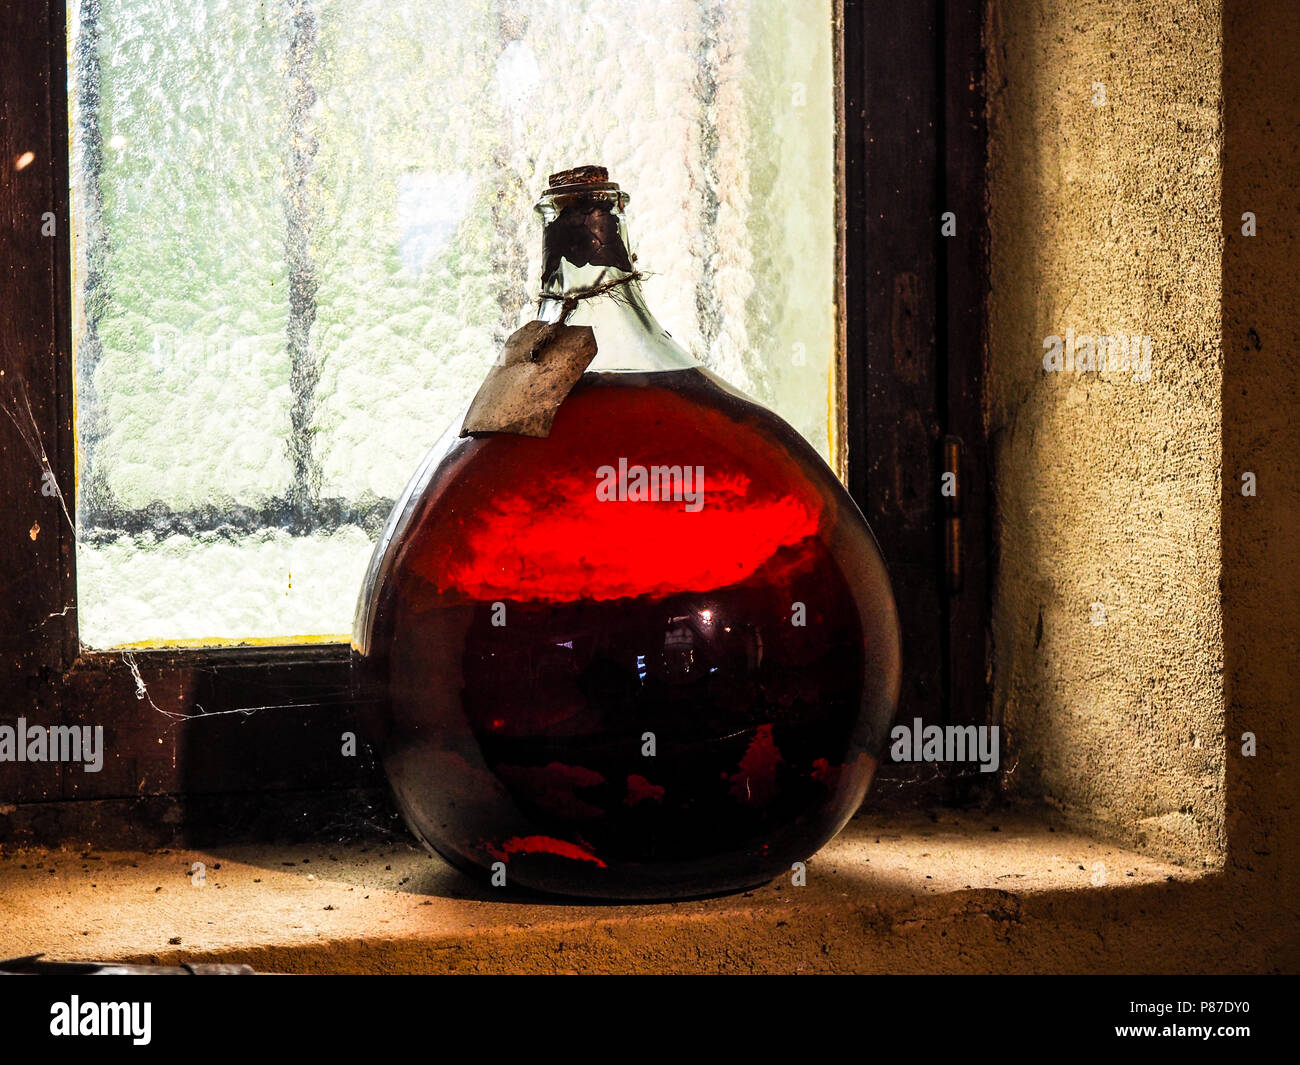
(954, 892)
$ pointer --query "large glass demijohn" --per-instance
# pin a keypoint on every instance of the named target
(646, 650)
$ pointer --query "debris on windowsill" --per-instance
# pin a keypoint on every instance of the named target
(903, 892)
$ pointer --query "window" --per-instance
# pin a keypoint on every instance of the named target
(177, 340)
(302, 229)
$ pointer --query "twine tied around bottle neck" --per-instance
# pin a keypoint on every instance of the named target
(569, 302)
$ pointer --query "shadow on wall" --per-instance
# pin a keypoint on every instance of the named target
(1261, 436)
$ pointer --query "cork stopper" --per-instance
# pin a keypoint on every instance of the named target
(580, 175)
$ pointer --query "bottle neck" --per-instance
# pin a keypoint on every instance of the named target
(585, 250)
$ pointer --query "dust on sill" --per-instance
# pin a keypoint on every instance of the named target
(911, 892)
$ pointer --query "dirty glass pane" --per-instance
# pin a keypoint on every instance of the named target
(303, 228)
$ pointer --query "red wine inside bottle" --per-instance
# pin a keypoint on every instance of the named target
(653, 654)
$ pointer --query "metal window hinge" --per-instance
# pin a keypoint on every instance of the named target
(951, 489)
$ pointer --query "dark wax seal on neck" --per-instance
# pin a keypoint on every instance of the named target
(586, 233)
(586, 230)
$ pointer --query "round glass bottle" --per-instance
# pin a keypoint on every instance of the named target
(653, 654)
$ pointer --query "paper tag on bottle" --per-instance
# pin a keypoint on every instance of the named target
(540, 365)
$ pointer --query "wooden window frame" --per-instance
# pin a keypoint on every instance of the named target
(911, 141)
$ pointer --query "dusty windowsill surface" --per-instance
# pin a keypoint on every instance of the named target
(947, 891)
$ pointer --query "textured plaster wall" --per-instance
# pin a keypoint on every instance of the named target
(1261, 434)
(1104, 219)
